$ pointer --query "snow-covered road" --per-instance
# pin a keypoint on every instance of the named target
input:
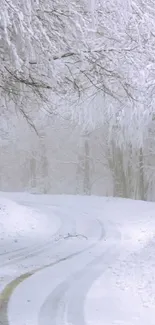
(92, 262)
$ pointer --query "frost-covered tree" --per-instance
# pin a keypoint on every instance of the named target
(67, 48)
(99, 56)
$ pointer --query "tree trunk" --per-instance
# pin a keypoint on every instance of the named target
(86, 181)
(141, 176)
(33, 175)
(83, 184)
(45, 174)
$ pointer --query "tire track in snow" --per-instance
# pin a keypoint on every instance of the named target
(74, 255)
(29, 252)
(7, 292)
(21, 254)
(65, 305)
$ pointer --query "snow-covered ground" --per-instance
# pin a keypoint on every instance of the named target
(18, 222)
(92, 259)
(24, 231)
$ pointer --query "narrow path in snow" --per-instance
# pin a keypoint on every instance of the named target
(70, 252)
(89, 272)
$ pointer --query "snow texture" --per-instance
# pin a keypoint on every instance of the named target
(101, 260)
(17, 221)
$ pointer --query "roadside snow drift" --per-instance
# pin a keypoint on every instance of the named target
(19, 222)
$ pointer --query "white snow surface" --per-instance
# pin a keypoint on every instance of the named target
(19, 222)
(96, 260)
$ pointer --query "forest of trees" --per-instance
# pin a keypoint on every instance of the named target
(77, 93)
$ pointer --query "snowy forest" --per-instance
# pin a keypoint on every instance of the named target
(77, 97)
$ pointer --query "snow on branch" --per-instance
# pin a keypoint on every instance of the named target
(71, 48)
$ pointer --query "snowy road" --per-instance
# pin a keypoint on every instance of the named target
(96, 258)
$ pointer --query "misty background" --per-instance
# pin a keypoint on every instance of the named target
(77, 97)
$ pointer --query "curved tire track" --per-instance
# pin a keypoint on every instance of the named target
(55, 268)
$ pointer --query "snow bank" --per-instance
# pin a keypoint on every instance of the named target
(19, 222)
(133, 219)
